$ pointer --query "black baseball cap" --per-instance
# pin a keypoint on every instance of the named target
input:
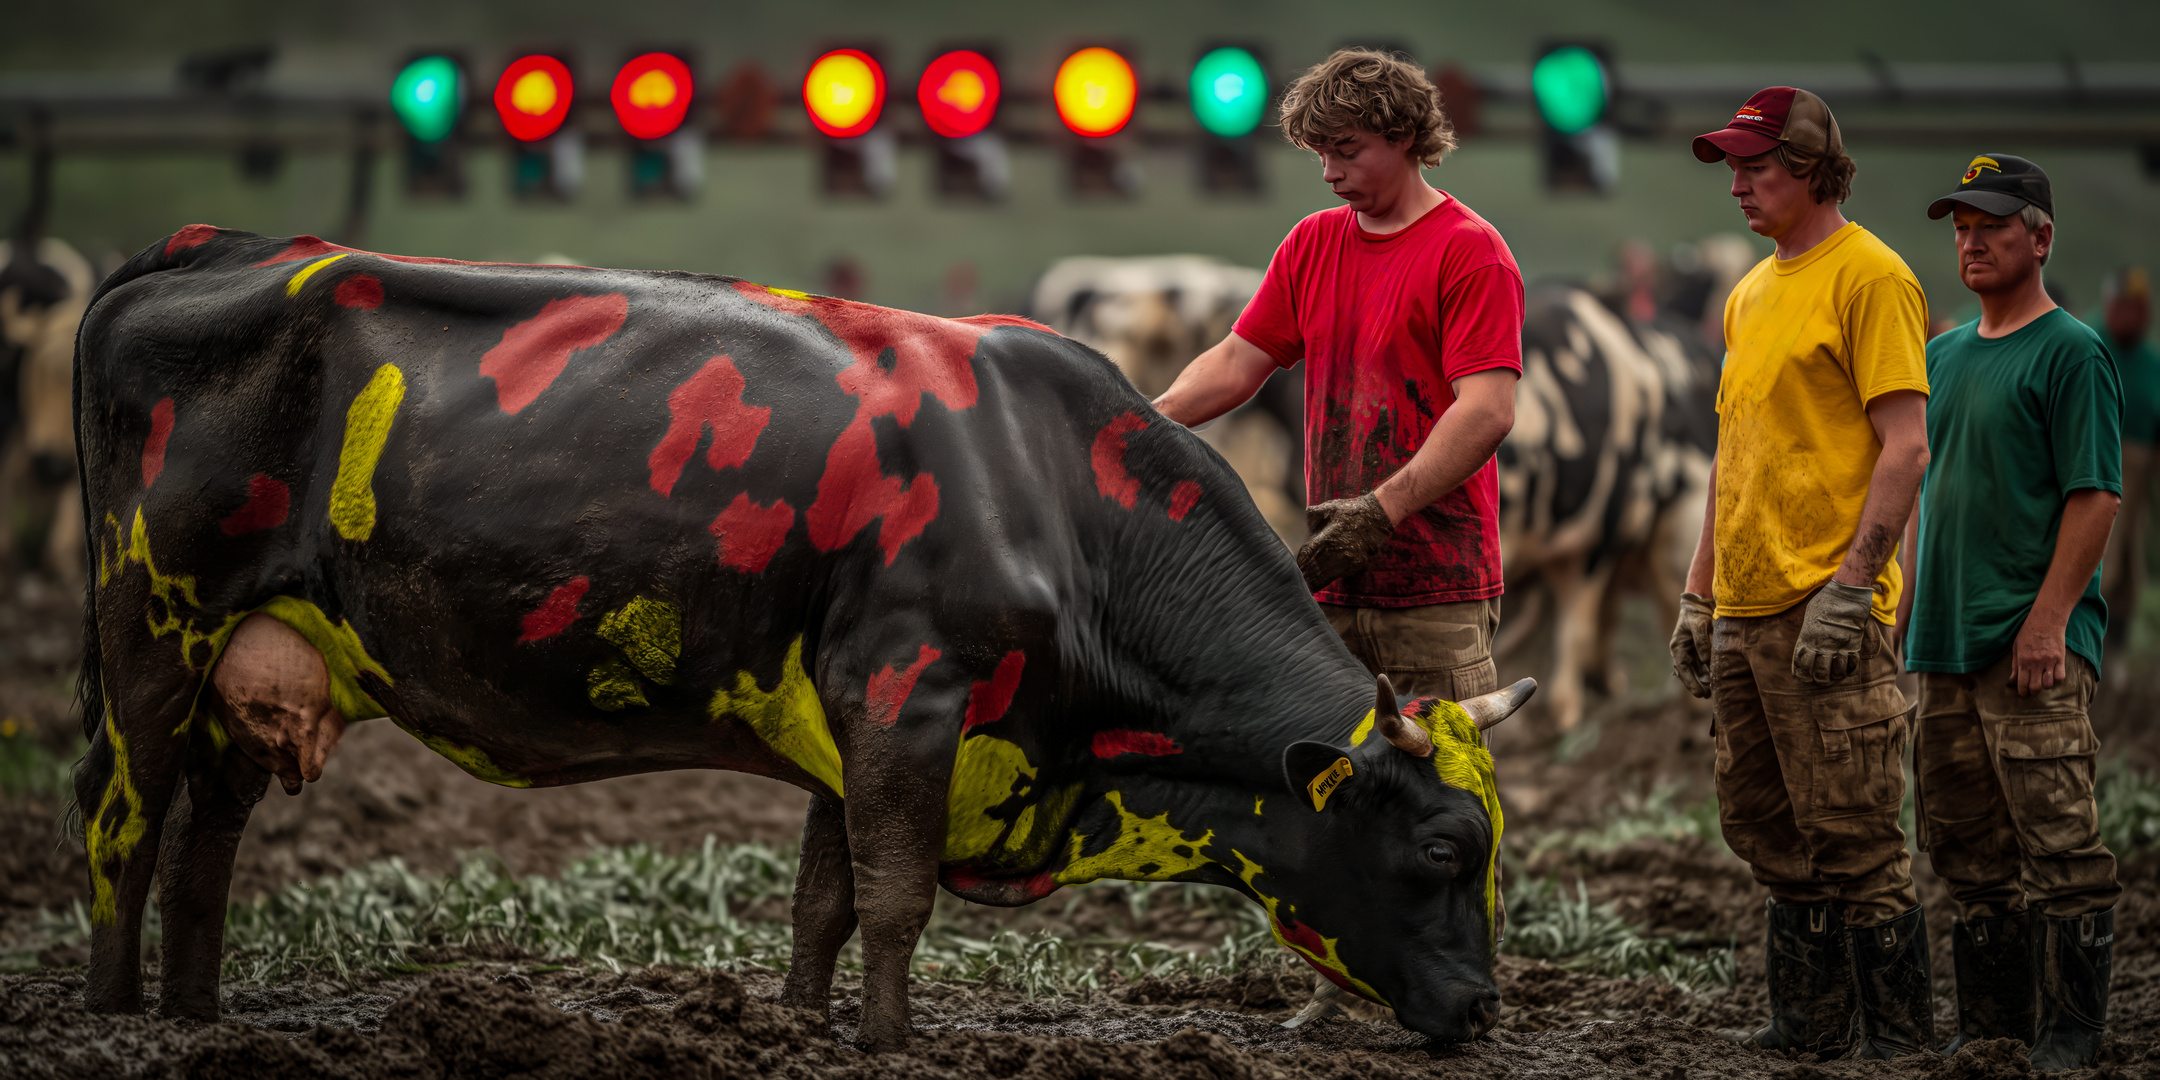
(1999, 184)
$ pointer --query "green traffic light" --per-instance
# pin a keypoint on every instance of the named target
(427, 97)
(1229, 92)
(1569, 84)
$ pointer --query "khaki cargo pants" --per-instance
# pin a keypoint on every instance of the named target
(1436, 650)
(2006, 793)
(1810, 776)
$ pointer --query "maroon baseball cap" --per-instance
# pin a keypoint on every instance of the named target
(1780, 114)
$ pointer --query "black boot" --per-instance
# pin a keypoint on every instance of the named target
(1811, 981)
(2076, 960)
(1997, 987)
(1897, 1000)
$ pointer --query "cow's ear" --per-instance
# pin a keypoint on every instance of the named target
(1315, 770)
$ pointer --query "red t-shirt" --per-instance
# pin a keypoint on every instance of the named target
(1385, 323)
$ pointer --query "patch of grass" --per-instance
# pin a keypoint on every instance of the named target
(2129, 807)
(27, 767)
(1545, 923)
(1656, 816)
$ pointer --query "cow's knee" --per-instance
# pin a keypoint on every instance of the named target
(273, 694)
(823, 907)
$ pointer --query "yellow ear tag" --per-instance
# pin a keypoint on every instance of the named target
(1325, 784)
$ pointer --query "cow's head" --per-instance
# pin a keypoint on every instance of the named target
(1385, 876)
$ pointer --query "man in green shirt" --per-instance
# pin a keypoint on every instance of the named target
(2125, 313)
(2006, 627)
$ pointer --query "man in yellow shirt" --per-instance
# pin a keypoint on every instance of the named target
(1786, 624)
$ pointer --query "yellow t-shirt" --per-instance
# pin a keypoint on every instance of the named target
(1809, 342)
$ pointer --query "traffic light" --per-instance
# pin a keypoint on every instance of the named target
(652, 94)
(1095, 92)
(958, 94)
(1228, 92)
(428, 96)
(533, 98)
(1572, 84)
(844, 93)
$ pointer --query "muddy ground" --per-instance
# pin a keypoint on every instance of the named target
(506, 1015)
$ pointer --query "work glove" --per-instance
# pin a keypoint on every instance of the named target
(1346, 534)
(1828, 648)
(1691, 644)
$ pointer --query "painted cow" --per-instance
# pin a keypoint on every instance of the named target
(1603, 479)
(1010, 628)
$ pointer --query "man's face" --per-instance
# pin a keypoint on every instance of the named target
(1362, 167)
(1772, 199)
(1997, 253)
(2128, 314)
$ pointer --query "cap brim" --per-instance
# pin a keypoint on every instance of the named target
(1998, 203)
(1745, 144)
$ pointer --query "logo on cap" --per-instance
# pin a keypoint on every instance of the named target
(1749, 112)
(1972, 171)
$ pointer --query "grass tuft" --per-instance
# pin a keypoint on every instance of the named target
(27, 767)
(1545, 923)
(2129, 807)
(1655, 816)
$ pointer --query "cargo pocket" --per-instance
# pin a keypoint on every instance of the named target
(1470, 680)
(2048, 771)
(1860, 735)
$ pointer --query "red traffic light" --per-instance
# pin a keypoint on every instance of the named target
(958, 93)
(533, 97)
(651, 95)
(844, 93)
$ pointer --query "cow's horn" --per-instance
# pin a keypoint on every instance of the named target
(1399, 732)
(1488, 709)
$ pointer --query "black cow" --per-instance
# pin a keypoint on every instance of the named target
(953, 577)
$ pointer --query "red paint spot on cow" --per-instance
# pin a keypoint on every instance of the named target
(535, 351)
(192, 236)
(928, 356)
(268, 503)
(1110, 744)
(363, 291)
(987, 701)
(153, 451)
(1032, 887)
(556, 613)
(1182, 498)
(1108, 457)
(750, 534)
(1307, 943)
(712, 397)
(889, 689)
(1004, 320)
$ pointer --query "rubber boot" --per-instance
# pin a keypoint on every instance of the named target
(1998, 988)
(2076, 960)
(1897, 996)
(1811, 981)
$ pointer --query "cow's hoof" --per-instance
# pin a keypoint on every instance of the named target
(879, 1041)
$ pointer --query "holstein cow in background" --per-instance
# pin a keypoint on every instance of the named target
(1010, 628)
(43, 291)
(1603, 479)
(1151, 315)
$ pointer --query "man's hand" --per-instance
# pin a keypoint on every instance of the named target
(1691, 644)
(1346, 534)
(2038, 659)
(1828, 648)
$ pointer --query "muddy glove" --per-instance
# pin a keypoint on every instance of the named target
(1691, 644)
(1346, 534)
(1828, 648)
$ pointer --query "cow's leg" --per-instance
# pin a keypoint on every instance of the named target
(1572, 626)
(824, 906)
(125, 786)
(196, 874)
(897, 774)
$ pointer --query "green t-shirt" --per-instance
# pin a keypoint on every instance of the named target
(2015, 424)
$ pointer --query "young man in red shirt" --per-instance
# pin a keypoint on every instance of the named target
(1407, 309)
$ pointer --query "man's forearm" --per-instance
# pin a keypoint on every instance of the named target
(1900, 420)
(1702, 569)
(1461, 442)
(1217, 381)
(2088, 514)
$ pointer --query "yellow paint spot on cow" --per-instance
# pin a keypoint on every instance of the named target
(105, 842)
(469, 758)
(300, 280)
(342, 653)
(649, 632)
(788, 717)
(367, 428)
(1256, 805)
(987, 773)
(1461, 760)
(1326, 956)
(1146, 849)
(612, 685)
(792, 294)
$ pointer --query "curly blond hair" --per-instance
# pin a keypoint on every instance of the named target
(1368, 90)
